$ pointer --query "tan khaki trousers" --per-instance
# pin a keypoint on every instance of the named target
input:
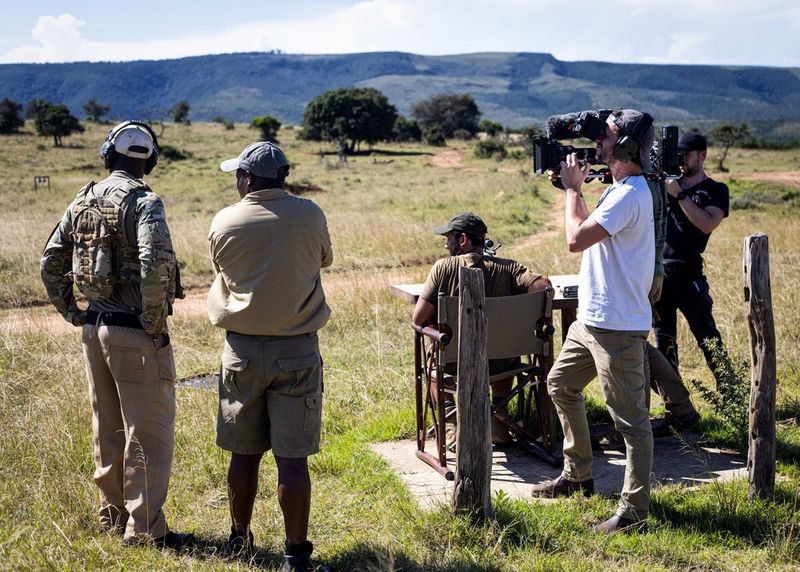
(616, 358)
(131, 389)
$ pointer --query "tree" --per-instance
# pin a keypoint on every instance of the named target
(728, 135)
(491, 128)
(33, 107)
(269, 127)
(406, 130)
(56, 120)
(180, 112)
(448, 113)
(10, 118)
(349, 116)
(94, 110)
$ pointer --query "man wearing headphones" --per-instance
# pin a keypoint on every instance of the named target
(614, 317)
(113, 243)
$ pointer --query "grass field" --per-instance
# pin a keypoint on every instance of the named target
(380, 208)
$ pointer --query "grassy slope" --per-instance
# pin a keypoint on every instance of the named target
(362, 517)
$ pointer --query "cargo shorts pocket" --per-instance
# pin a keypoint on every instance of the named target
(127, 364)
(302, 374)
(166, 363)
(313, 413)
(233, 371)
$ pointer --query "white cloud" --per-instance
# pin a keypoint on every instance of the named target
(657, 31)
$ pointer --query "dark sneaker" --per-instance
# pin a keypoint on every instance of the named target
(620, 524)
(297, 558)
(239, 545)
(611, 440)
(176, 541)
(561, 487)
(672, 424)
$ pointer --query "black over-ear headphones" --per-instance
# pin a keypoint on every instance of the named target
(108, 152)
(628, 146)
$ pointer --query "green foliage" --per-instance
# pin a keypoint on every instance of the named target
(10, 118)
(406, 130)
(94, 110)
(268, 126)
(434, 136)
(490, 148)
(229, 125)
(349, 116)
(56, 120)
(34, 106)
(731, 399)
(462, 135)
(180, 112)
(726, 136)
(491, 128)
(448, 113)
(172, 153)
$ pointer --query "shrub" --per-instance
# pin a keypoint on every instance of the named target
(434, 136)
(490, 148)
(731, 399)
(268, 126)
(172, 153)
(462, 134)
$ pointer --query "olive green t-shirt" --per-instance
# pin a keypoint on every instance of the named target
(502, 277)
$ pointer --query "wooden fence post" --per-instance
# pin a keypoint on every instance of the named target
(758, 297)
(472, 491)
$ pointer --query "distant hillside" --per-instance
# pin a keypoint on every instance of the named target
(514, 89)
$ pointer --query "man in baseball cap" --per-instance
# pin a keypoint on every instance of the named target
(267, 251)
(134, 141)
(465, 239)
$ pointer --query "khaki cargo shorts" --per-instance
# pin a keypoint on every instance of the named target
(270, 395)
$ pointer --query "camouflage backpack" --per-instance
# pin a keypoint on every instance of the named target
(102, 257)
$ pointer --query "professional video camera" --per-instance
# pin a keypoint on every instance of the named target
(548, 153)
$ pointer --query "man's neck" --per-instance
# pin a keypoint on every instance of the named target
(622, 169)
(688, 182)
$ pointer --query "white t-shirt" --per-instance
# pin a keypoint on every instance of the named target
(617, 272)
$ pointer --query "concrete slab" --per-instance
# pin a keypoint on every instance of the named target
(688, 463)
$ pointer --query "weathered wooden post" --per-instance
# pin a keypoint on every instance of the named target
(472, 491)
(761, 327)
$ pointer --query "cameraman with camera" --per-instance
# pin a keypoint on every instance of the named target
(696, 206)
(614, 316)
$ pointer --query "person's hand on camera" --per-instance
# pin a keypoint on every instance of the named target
(573, 173)
(555, 180)
(673, 187)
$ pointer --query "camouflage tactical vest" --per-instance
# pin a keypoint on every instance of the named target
(102, 255)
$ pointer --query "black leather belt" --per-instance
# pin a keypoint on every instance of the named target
(122, 319)
(307, 335)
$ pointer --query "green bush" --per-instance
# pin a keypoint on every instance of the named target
(462, 135)
(490, 148)
(172, 153)
(731, 399)
(434, 136)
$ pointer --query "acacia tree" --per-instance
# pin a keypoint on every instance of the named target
(10, 116)
(349, 116)
(94, 110)
(727, 135)
(269, 127)
(447, 113)
(56, 120)
(180, 112)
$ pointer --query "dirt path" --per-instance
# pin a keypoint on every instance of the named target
(449, 158)
(788, 178)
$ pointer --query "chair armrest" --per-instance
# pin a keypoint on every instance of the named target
(433, 333)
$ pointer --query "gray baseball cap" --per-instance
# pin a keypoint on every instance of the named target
(262, 159)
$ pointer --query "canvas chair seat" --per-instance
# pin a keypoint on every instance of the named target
(519, 338)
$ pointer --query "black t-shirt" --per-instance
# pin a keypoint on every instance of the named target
(684, 240)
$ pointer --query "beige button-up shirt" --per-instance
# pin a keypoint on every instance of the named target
(267, 251)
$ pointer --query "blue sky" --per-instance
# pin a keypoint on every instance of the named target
(733, 32)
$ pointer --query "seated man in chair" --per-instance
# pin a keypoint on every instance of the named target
(465, 240)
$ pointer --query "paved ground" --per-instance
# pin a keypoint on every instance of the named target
(514, 471)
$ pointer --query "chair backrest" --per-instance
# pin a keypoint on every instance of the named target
(511, 321)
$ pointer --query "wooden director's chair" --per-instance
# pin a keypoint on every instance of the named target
(518, 327)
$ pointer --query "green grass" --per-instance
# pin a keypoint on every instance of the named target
(363, 518)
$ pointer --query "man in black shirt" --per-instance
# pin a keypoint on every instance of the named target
(696, 204)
